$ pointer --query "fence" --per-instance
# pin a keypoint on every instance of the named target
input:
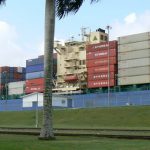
(86, 101)
(115, 99)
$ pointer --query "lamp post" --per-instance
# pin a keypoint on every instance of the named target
(5, 87)
(36, 114)
(108, 30)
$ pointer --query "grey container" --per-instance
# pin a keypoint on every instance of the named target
(134, 46)
(36, 61)
(134, 38)
(35, 75)
(134, 80)
(134, 54)
(134, 63)
(16, 87)
(134, 71)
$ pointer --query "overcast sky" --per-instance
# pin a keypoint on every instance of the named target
(22, 25)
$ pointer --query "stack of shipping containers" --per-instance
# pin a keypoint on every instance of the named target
(10, 74)
(100, 63)
(134, 59)
(35, 74)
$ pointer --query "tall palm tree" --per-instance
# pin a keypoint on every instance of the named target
(61, 8)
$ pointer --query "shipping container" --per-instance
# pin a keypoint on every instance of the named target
(40, 60)
(4, 69)
(101, 69)
(15, 88)
(134, 80)
(134, 71)
(32, 89)
(101, 46)
(101, 83)
(101, 62)
(134, 46)
(134, 63)
(134, 38)
(13, 85)
(35, 61)
(134, 54)
(39, 81)
(101, 76)
(71, 78)
(34, 75)
(101, 54)
(35, 68)
(2, 86)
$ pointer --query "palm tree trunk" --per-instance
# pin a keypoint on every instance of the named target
(47, 127)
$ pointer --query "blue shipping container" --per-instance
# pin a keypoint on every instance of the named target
(35, 68)
(34, 75)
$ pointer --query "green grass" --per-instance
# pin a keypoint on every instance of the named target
(20, 142)
(118, 117)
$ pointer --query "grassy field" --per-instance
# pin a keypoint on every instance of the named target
(20, 142)
(118, 117)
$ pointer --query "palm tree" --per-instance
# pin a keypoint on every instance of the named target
(61, 8)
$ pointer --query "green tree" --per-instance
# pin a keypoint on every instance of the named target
(59, 8)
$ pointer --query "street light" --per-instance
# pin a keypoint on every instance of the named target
(108, 30)
(5, 87)
(36, 113)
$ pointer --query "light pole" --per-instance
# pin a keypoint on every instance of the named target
(5, 86)
(36, 114)
(108, 30)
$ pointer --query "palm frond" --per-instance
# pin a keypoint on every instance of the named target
(64, 7)
(2, 1)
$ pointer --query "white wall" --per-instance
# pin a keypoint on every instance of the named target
(57, 101)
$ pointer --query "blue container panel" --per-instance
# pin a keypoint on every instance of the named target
(35, 68)
(35, 75)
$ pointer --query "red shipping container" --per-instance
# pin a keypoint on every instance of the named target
(17, 75)
(101, 62)
(101, 83)
(71, 78)
(101, 54)
(32, 89)
(33, 82)
(101, 46)
(101, 69)
(1, 86)
(101, 76)
(5, 68)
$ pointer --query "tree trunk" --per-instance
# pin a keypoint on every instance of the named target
(47, 127)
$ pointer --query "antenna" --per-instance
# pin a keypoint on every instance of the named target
(83, 33)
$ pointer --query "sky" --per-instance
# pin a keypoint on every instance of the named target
(22, 25)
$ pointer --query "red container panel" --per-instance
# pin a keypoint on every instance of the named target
(100, 62)
(18, 75)
(101, 54)
(101, 69)
(71, 78)
(34, 82)
(101, 46)
(101, 83)
(1, 86)
(101, 76)
(5, 68)
(32, 89)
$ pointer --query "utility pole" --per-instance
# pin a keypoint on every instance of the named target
(108, 30)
